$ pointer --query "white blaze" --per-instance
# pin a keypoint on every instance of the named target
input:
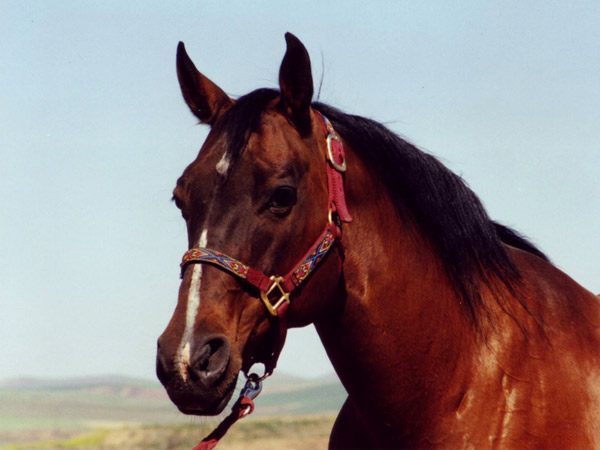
(193, 303)
(184, 360)
(223, 164)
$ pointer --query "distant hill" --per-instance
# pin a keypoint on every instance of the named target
(107, 384)
(109, 401)
(72, 383)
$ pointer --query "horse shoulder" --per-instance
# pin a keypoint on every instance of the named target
(552, 296)
(553, 365)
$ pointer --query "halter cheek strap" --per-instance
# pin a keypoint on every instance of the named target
(336, 166)
(275, 290)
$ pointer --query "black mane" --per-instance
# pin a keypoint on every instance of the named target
(446, 210)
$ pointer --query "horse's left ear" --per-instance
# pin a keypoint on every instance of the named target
(295, 81)
(206, 100)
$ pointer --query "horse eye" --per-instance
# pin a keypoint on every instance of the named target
(282, 200)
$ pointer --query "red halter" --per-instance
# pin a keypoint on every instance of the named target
(281, 286)
(275, 290)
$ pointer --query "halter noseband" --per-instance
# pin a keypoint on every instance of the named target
(275, 290)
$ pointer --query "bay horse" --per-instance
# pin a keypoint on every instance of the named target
(447, 329)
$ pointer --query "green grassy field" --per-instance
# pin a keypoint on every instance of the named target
(108, 413)
(295, 432)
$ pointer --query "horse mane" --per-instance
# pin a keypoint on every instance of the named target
(446, 210)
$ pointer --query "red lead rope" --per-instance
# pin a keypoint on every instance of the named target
(240, 409)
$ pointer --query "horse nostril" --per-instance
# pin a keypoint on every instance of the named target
(210, 360)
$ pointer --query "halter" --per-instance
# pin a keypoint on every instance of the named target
(275, 290)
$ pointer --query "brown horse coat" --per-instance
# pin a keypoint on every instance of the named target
(446, 329)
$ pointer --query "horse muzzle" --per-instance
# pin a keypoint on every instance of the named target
(195, 374)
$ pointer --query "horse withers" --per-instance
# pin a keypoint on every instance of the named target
(447, 329)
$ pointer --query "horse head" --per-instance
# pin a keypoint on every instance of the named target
(255, 197)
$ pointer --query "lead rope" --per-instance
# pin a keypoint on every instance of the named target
(243, 407)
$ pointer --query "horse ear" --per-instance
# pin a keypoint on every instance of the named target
(295, 81)
(205, 99)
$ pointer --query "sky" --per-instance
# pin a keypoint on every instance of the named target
(94, 134)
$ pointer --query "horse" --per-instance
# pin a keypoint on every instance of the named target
(446, 328)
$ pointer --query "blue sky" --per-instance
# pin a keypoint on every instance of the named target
(94, 133)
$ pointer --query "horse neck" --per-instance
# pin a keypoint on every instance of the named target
(400, 334)
(413, 361)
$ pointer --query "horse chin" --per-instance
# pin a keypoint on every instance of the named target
(199, 404)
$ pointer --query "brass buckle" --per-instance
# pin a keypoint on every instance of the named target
(338, 167)
(264, 296)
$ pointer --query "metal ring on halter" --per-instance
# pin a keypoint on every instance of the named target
(339, 167)
(253, 386)
(254, 377)
(284, 296)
